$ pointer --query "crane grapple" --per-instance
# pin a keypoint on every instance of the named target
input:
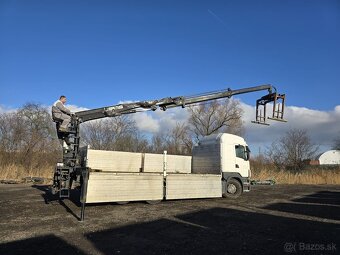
(278, 101)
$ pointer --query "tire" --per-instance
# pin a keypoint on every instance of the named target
(153, 202)
(233, 189)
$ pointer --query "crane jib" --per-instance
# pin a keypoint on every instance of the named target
(165, 103)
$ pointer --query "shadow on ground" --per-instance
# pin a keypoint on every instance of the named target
(48, 244)
(322, 197)
(50, 198)
(212, 231)
(322, 204)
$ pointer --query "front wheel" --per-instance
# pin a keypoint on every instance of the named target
(233, 189)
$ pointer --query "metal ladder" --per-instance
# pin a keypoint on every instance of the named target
(64, 186)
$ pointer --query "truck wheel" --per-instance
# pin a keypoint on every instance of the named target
(233, 189)
(153, 202)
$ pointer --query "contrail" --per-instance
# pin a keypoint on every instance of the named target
(217, 18)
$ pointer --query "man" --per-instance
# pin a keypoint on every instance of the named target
(61, 114)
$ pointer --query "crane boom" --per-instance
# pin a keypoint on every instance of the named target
(71, 169)
(164, 103)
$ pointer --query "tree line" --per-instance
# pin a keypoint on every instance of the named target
(28, 136)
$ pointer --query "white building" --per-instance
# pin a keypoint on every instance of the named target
(331, 157)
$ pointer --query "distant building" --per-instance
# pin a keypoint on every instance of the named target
(331, 157)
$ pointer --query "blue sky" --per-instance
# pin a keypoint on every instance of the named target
(101, 52)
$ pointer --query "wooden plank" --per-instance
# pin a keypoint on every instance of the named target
(114, 161)
(180, 186)
(115, 187)
(175, 163)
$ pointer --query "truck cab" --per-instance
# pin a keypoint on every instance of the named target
(224, 154)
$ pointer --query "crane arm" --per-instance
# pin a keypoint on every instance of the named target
(168, 102)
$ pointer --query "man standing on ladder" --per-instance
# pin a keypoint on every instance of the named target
(61, 115)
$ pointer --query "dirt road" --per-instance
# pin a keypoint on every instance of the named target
(279, 219)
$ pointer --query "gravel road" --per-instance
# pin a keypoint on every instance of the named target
(278, 219)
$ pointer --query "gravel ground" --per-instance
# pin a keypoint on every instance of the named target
(278, 219)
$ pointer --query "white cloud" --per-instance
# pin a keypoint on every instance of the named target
(146, 123)
(159, 121)
(169, 118)
(6, 109)
(75, 108)
(322, 126)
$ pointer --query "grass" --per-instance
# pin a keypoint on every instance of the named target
(260, 172)
(308, 176)
(18, 172)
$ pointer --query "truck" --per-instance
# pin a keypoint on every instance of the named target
(218, 167)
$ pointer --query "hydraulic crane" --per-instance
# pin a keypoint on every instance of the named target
(71, 170)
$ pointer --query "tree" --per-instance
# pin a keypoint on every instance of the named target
(216, 116)
(11, 132)
(158, 143)
(179, 140)
(336, 145)
(27, 136)
(292, 149)
(119, 133)
(39, 133)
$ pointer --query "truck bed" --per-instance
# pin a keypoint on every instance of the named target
(181, 186)
(119, 187)
(115, 176)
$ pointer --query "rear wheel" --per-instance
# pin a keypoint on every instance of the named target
(233, 189)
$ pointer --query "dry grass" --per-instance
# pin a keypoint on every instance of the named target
(18, 172)
(308, 176)
(263, 172)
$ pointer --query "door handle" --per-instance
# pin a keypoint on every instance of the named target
(237, 166)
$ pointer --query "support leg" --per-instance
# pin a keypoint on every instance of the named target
(82, 213)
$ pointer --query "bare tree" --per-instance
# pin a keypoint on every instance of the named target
(216, 116)
(27, 136)
(179, 141)
(11, 132)
(119, 133)
(39, 133)
(158, 143)
(336, 145)
(292, 149)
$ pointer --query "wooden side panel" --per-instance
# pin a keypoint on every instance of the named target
(175, 163)
(115, 187)
(114, 161)
(180, 186)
